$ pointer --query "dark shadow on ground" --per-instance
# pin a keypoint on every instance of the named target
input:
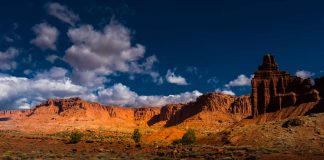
(318, 108)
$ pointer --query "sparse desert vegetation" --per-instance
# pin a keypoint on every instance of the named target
(188, 138)
(292, 122)
(259, 141)
(137, 136)
(75, 137)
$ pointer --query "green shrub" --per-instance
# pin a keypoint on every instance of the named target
(177, 141)
(188, 138)
(75, 137)
(137, 135)
(293, 122)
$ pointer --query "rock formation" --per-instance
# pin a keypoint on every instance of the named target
(172, 114)
(67, 106)
(77, 107)
(146, 113)
(319, 85)
(15, 113)
(273, 89)
(60, 114)
(205, 107)
(241, 105)
(168, 111)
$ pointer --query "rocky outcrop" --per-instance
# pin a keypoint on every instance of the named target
(15, 113)
(65, 107)
(169, 111)
(273, 89)
(319, 85)
(75, 112)
(287, 112)
(74, 107)
(146, 113)
(215, 102)
(228, 105)
(57, 115)
(241, 105)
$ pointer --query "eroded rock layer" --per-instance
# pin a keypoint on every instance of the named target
(208, 107)
(61, 114)
(273, 89)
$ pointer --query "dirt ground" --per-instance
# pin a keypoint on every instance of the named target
(15, 146)
(253, 141)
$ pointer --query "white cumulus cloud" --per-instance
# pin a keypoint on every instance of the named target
(53, 73)
(175, 79)
(241, 80)
(7, 59)
(21, 92)
(62, 13)
(24, 93)
(225, 91)
(304, 74)
(46, 36)
(120, 94)
(96, 54)
(52, 58)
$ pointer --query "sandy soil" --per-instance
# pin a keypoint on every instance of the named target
(254, 141)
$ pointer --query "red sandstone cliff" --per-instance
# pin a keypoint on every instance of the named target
(214, 103)
(77, 113)
(273, 89)
(146, 113)
(15, 113)
(211, 111)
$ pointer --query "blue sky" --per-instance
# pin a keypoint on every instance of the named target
(136, 53)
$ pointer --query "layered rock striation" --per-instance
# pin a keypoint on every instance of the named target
(273, 89)
(208, 107)
(172, 114)
(146, 113)
(57, 114)
(15, 113)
